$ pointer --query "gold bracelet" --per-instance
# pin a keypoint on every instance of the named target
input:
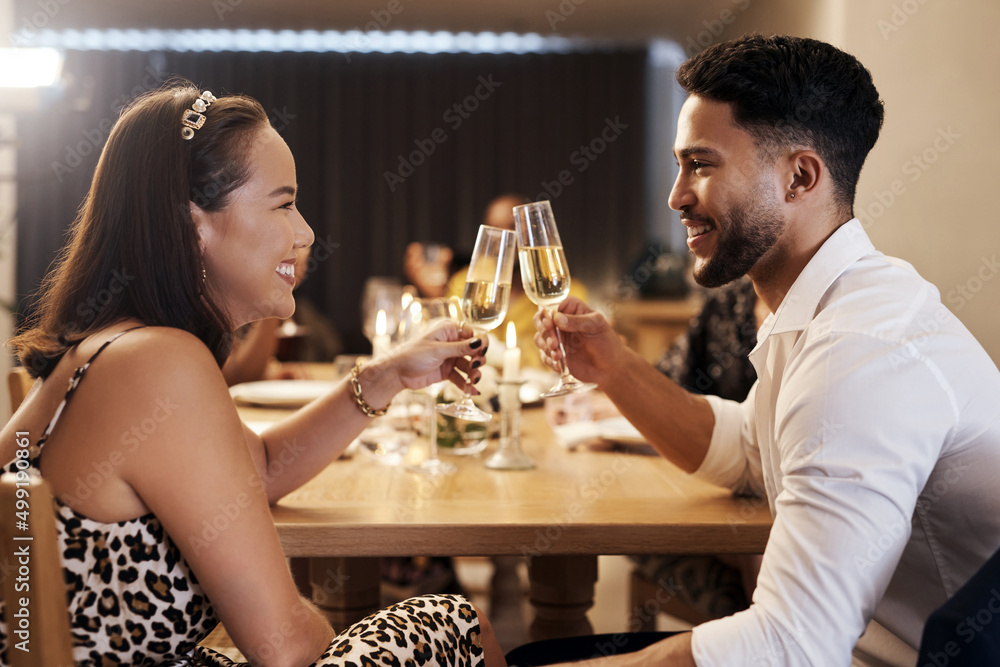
(359, 399)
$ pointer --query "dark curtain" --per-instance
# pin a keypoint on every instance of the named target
(389, 148)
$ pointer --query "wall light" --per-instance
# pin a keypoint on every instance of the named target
(28, 76)
(29, 68)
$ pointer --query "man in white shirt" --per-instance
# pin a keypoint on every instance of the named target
(874, 427)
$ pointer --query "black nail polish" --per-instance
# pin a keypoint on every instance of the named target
(476, 343)
(477, 363)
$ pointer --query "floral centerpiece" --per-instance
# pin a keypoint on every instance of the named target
(458, 436)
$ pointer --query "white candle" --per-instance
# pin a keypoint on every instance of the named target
(381, 342)
(512, 355)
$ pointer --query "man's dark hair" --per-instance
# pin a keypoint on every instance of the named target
(794, 92)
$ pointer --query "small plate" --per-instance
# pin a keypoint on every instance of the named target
(620, 430)
(280, 393)
(536, 381)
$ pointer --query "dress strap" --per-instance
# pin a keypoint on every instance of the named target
(74, 382)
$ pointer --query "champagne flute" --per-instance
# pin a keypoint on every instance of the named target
(432, 465)
(422, 314)
(485, 300)
(545, 276)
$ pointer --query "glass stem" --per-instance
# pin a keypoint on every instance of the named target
(562, 349)
(432, 432)
(467, 398)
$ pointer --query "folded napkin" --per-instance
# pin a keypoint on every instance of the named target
(602, 431)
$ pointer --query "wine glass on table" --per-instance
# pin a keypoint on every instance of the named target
(484, 300)
(545, 276)
(422, 314)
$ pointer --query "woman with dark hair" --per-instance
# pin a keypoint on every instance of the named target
(189, 231)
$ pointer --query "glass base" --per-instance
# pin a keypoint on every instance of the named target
(567, 385)
(467, 448)
(464, 409)
(433, 467)
(509, 460)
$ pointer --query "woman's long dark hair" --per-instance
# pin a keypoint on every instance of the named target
(133, 249)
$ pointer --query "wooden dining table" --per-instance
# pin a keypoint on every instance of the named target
(561, 515)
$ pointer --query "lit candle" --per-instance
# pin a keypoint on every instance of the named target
(381, 342)
(512, 355)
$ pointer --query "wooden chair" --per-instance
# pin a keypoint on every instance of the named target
(18, 385)
(34, 591)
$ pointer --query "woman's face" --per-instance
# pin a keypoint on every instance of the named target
(249, 248)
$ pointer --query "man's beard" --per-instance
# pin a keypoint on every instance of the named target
(751, 228)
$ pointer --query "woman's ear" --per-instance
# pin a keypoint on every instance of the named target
(200, 219)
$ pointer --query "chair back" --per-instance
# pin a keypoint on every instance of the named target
(34, 590)
(18, 385)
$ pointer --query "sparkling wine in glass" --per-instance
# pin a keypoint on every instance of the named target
(485, 300)
(545, 276)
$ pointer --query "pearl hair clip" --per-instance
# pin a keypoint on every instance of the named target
(194, 117)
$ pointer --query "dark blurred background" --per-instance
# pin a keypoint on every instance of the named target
(374, 173)
(348, 116)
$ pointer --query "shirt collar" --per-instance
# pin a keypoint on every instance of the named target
(846, 245)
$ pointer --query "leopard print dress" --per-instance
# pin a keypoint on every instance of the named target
(133, 600)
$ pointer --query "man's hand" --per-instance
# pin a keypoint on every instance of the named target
(592, 347)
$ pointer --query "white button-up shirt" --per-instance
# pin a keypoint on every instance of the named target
(874, 432)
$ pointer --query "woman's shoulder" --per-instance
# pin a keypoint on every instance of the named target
(153, 344)
(158, 357)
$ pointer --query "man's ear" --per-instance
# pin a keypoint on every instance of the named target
(805, 172)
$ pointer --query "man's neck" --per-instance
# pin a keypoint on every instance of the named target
(775, 272)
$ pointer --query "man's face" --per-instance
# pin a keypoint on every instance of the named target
(726, 195)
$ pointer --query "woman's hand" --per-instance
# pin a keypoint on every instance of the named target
(446, 352)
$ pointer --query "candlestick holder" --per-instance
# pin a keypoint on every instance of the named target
(510, 456)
